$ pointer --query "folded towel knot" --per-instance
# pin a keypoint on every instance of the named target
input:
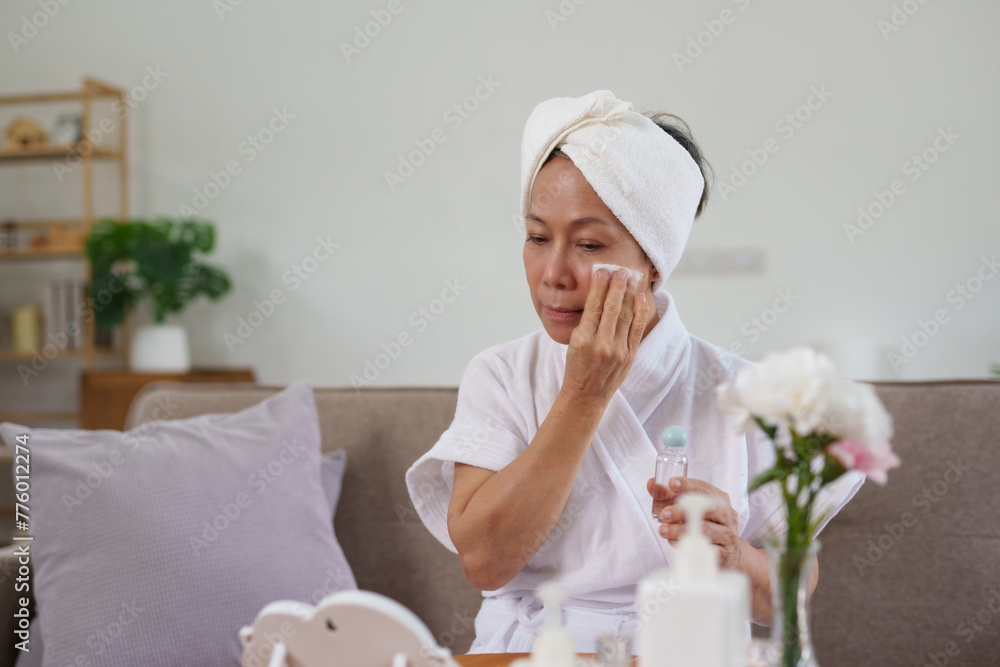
(607, 107)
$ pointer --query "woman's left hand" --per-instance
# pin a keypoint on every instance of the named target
(721, 525)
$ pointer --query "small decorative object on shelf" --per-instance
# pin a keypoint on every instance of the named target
(24, 133)
(356, 628)
(821, 427)
(67, 129)
(27, 323)
(8, 237)
(153, 262)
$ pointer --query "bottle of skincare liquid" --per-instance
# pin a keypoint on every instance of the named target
(671, 462)
(693, 612)
(553, 646)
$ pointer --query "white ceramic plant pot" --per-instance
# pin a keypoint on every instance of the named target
(160, 348)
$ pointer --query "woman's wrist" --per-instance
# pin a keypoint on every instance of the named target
(581, 404)
(753, 562)
(740, 561)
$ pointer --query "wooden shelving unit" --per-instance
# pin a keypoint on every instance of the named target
(85, 153)
(55, 151)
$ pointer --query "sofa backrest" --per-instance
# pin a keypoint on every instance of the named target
(905, 566)
(904, 569)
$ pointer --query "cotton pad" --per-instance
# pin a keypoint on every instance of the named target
(635, 274)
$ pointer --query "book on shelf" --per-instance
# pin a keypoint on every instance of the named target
(62, 311)
(74, 313)
(51, 322)
(64, 304)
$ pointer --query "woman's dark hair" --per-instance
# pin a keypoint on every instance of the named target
(680, 131)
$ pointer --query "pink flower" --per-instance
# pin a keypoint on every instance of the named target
(874, 464)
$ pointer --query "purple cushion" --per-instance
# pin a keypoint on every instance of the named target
(155, 546)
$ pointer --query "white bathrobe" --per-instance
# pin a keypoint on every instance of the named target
(606, 540)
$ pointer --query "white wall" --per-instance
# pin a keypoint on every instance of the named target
(323, 175)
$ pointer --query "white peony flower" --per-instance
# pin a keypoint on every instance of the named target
(786, 388)
(854, 412)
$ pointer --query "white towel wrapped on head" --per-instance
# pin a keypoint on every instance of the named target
(648, 180)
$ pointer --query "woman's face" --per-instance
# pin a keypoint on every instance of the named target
(569, 229)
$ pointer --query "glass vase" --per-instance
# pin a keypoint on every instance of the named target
(791, 572)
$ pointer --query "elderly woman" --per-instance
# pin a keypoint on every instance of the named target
(545, 474)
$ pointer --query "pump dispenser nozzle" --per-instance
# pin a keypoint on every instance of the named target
(553, 646)
(697, 558)
(552, 596)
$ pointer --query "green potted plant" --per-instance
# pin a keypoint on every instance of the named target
(152, 262)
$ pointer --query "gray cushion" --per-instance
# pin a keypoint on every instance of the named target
(156, 545)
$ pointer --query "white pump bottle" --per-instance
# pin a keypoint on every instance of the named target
(553, 646)
(693, 614)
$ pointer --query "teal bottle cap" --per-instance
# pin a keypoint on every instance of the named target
(674, 436)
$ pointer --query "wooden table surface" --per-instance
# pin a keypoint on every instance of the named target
(504, 659)
(489, 659)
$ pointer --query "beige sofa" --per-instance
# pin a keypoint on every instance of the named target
(907, 571)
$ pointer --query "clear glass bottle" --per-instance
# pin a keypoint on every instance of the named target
(672, 461)
(614, 651)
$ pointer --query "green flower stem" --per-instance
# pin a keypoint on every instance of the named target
(791, 562)
(788, 576)
(795, 465)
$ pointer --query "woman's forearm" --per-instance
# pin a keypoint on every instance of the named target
(754, 562)
(511, 515)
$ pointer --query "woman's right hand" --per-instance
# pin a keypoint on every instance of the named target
(603, 346)
(499, 520)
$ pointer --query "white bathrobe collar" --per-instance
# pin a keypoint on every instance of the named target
(661, 361)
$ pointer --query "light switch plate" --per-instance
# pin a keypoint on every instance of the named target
(710, 261)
